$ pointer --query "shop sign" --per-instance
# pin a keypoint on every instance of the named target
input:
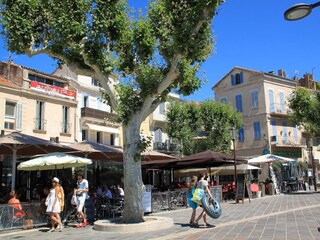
(291, 154)
(52, 90)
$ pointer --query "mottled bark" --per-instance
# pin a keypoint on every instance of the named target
(133, 186)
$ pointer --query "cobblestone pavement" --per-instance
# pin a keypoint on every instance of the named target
(287, 217)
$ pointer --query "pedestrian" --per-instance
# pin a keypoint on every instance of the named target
(203, 184)
(82, 196)
(53, 207)
(191, 189)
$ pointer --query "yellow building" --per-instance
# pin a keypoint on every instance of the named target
(262, 100)
(36, 104)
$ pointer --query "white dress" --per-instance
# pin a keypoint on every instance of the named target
(52, 196)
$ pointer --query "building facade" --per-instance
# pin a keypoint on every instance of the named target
(36, 104)
(262, 100)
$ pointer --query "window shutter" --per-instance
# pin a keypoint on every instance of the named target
(239, 103)
(241, 134)
(241, 77)
(257, 133)
(295, 132)
(271, 101)
(233, 80)
(19, 117)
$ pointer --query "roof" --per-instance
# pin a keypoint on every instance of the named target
(37, 71)
(236, 67)
(6, 82)
(252, 71)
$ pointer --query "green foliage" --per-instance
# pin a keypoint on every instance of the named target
(187, 120)
(168, 43)
(142, 146)
(305, 106)
(302, 165)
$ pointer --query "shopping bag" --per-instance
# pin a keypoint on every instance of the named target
(197, 195)
(27, 224)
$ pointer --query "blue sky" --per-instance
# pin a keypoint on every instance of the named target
(251, 34)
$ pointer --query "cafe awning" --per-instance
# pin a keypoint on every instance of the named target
(100, 128)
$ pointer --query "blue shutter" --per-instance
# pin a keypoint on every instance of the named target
(19, 116)
(241, 77)
(281, 95)
(274, 127)
(257, 132)
(233, 80)
(239, 103)
(271, 101)
(241, 135)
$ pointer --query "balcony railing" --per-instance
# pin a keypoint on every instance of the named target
(279, 108)
(98, 114)
(287, 141)
(165, 146)
(39, 124)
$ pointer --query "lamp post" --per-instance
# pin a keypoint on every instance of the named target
(310, 143)
(233, 138)
(299, 11)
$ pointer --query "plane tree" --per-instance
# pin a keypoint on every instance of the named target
(156, 51)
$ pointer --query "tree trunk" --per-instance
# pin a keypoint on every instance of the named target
(133, 186)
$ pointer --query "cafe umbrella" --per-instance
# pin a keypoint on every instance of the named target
(19, 144)
(53, 161)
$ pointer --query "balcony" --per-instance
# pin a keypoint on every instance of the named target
(165, 146)
(287, 141)
(65, 128)
(280, 109)
(98, 114)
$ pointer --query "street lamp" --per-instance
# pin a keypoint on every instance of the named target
(310, 143)
(299, 11)
(233, 138)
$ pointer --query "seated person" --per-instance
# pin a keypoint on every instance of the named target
(119, 193)
(15, 203)
(107, 192)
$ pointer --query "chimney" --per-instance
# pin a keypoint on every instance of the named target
(282, 73)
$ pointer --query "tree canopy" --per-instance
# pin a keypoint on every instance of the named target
(197, 127)
(305, 105)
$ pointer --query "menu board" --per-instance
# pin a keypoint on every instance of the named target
(240, 190)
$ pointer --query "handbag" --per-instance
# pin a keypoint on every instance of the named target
(197, 195)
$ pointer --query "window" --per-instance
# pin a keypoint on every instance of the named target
(95, 83)
(254, 99)
(237, 78)
(84, 135)
(65, 119)
(241, 134)
(39, 120)
(257, 132)
(295, 131)
(223, 99)
(10, 109)
(271, 100)
(239, 103)
(45, 80)
(13, 115)
(99, 137)
(85, 101)
(112, 139)
(285, 132)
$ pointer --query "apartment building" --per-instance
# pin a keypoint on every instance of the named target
(37, 104)
(96, 121)
(262, 99)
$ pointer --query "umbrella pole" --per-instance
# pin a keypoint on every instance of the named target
(14, 163)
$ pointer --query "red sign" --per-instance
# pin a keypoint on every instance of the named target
(52, 90)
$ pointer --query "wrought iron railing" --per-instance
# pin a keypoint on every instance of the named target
(39, 124)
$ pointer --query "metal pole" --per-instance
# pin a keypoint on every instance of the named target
(313, 169)
(235, 165)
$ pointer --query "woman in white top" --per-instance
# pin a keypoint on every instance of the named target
(53, 207)
(203, 184)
